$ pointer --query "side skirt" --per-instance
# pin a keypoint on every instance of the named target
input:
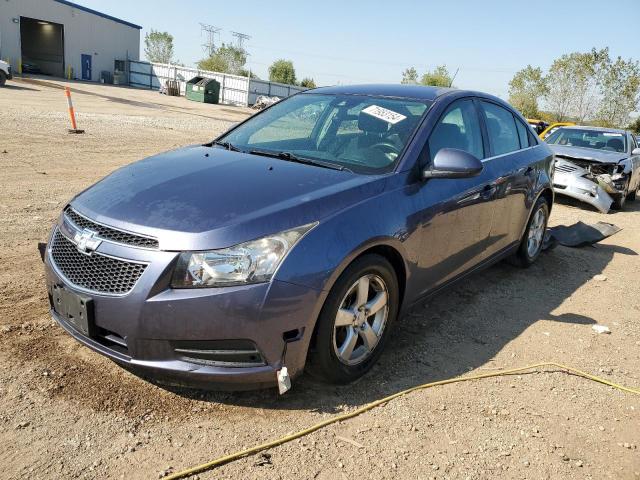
(486, 263)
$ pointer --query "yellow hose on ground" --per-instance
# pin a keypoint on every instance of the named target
(288, 438)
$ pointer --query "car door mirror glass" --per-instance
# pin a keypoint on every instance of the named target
(636, 151)
(453, 163)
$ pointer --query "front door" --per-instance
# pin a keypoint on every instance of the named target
(86, 66)
(457, 214)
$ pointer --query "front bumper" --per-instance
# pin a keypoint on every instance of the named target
(140, 330)
(572, 184)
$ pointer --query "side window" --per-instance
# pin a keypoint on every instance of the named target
(458, 128)
(501, 127)
(522, 133)
(634, 144)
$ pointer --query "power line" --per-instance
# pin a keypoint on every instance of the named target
(379, 62)
(240, 38)
(210, 31)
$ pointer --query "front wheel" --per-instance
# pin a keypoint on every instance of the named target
(355, 320)
(3, 78)
(533, 238)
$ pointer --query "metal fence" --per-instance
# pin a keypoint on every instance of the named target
(234, 90)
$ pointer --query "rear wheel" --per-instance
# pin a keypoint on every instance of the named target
(355, 320)
(533, 238)
(3, 78)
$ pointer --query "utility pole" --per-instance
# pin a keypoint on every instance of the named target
(240, 38)
(210, 31)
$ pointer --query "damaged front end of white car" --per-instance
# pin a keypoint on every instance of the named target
(596, 183)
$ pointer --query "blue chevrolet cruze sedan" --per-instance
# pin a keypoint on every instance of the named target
(297, 238)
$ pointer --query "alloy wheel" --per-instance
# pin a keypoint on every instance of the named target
(361, 319)
(536, 233)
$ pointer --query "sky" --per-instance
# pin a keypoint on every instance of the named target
(346, 42)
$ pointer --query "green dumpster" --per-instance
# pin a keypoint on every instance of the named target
(205, 90)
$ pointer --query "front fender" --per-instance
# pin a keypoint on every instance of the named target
(323, 254)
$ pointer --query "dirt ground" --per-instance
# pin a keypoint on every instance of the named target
(66, 412)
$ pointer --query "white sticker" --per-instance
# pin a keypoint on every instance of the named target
(384, 114)
(607, 134)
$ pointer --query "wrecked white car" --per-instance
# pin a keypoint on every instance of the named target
(599, 166)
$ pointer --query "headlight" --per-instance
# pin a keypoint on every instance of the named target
(251, 262)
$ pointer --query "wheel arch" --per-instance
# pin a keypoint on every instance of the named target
(385, 250)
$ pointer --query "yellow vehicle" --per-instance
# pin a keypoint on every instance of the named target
(538, 125)
(553, 127)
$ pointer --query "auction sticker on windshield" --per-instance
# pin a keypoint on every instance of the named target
(384, 114)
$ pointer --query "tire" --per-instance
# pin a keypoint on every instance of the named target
(632, 195)
(331, 359)
(3, 78)
(526, 256)
(619, 202)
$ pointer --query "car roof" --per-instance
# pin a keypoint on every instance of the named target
(598, 129)
(418, 92)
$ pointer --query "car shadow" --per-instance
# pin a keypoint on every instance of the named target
(13, 86)
(460, 330)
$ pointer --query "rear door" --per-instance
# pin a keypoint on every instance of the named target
(510, 163)
(456, 214)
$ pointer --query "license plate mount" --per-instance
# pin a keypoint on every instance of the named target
(75, 309)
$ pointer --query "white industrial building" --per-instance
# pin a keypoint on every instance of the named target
(57, 37)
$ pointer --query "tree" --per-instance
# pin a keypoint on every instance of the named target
(158, 46)
(439, 77)
(247, 73)
(226, 59)
(574, 82)
(410, 76)
(526, 88)
(560, 83)
(308, 82)
(620, 90)
(590, 70)
(635, 126)
(282, 71)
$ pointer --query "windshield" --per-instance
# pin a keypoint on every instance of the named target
(587, 138)
(362, 133)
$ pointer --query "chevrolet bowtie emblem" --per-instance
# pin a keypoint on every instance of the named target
(86, 241)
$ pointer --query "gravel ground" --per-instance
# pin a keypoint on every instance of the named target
(66, 412)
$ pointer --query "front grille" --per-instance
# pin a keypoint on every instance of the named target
(95, 272)
(109, 233)
(564, 167)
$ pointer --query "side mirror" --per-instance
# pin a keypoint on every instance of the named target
(453, 163)
(636, 151)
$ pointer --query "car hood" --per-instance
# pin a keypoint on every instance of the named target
(589, 154)
(200, 197)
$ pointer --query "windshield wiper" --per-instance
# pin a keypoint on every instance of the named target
(227, 145)
(291, 157)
